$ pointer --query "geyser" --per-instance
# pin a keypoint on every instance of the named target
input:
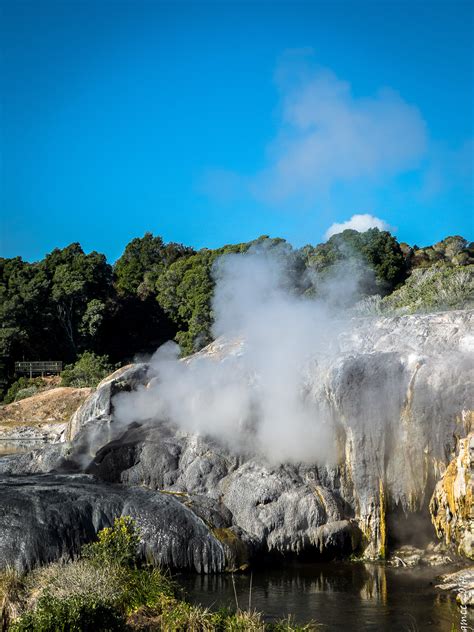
(261, 397)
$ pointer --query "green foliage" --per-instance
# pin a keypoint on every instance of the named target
(378, 250)
(179, 616)
(76, 280)
(23, 387)
(24, 291)
(453, 250)
(143, 588)
(89, 370)
(93, 317)
(72, 302)
(104, 587)
(435, 288)
(125, 587)
(143, 261)
(42, 305)
(185, 291)
(71, 614)
(115, 545)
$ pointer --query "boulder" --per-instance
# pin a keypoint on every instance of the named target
(98, 406)
(49, 517)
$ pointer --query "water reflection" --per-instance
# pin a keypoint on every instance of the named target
(341, 596)
(17, 447)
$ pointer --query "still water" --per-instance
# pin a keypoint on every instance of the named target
(339, 595)
(18, 446)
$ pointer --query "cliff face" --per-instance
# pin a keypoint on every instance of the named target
(397, 394)
(452, 506)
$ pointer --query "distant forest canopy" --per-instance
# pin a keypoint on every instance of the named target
(71, 302)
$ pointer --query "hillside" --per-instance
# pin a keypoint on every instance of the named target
(71, 302)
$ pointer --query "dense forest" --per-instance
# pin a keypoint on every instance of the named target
(74, 305)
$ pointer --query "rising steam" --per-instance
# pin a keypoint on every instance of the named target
(255, 392)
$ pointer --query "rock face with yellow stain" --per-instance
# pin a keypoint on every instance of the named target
(451, 506)
(395, 394)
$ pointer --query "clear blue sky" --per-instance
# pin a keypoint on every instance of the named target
(214, 122)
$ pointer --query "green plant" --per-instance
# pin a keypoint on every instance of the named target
(143, 588)
(78, 613)
(173, 615)
(12, 595)
(89, 370)
(23, 387)
(428, 289)
(116, 545)
(79, 577)
(127, 589)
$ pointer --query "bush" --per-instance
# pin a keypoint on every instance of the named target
(180, 616)
(435, 288)
(77, 578)
(12, 596)
(77, 613)
(89, 370)
(99, 592)
(143, 587)
(23, 387)
(117, 545)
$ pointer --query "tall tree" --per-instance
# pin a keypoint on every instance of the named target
(142, 262)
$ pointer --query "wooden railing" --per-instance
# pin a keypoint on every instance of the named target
(38, 368)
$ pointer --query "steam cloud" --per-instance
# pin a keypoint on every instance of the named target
(254, 393)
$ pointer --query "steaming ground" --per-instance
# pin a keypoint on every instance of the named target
(258, 399)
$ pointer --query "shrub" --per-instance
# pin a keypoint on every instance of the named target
(179, 616)
(89, 370)
(78, 613)
(117, 545)
(435, 288)
(143, 587)
(12, 596)
(124, 588)
(98, 591)
(78, 578)
(23, 387)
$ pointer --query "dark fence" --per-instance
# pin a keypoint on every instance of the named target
(38, 368)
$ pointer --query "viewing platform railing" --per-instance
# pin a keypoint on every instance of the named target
(38, 368)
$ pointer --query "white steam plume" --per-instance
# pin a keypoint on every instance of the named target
(256, 396)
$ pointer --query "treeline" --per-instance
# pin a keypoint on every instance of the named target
(71, 302)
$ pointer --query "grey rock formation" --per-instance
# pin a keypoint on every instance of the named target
(99, 407)
(46, 517)
(397, 395)
(50, 433)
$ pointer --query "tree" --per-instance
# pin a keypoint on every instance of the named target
(185, 289)
(378, 250)
(143, 261)
(24, 291)
(89, 370)
(77, 280)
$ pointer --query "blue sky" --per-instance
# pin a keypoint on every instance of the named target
(215, 122)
